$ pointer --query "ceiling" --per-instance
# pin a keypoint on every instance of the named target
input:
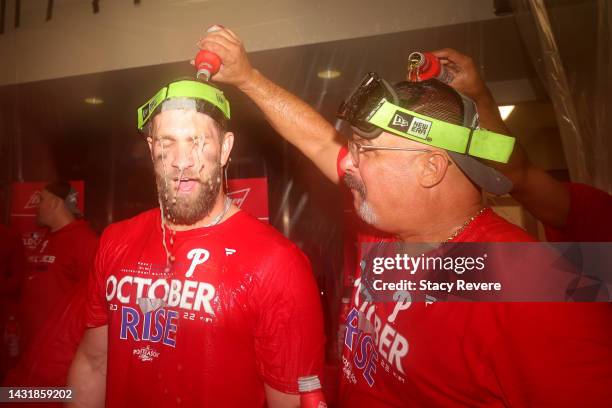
(47, 131)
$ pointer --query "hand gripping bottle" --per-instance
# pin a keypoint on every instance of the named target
(207, 63)
(424, 65)
(311, 395)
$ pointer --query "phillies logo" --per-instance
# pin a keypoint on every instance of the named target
(198, 256)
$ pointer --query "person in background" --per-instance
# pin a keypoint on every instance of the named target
(61, 261)
(12, 263)
(570, 212)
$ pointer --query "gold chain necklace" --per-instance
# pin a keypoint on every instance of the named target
(465, 224)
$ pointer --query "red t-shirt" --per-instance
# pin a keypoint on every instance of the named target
(240, 308)
(54, 268)
(11, 263)
(477, 354)
(47, 360)
(589, 218)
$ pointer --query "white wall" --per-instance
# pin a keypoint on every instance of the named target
(122, 35)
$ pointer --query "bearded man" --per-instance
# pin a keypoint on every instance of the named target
(196, 303)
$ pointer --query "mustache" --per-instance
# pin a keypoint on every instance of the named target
(185, 176)
(352, 183)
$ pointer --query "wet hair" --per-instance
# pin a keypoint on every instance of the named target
(202, 106)
(432, 98)
(220, 122)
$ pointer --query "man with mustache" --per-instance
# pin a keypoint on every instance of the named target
(196, 303)
(409, 181)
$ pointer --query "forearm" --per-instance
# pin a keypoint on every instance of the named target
(543, 196)
(87, 379)
(536, 190)
(490, 119)
(278, 399)
(297, 122)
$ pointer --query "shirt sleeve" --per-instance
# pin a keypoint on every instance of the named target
(87, 248)
(289, 338)
(17, 266)
(96, 314)
(589, 218)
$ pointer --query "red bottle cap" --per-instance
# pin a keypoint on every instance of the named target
(427, 64)
(207, 64)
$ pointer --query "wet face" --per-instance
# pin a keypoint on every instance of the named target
(188, 154)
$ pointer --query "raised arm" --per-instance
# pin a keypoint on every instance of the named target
(292, 118)
(87, 375)
(543, 196)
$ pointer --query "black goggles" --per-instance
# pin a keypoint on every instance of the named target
(363, 102)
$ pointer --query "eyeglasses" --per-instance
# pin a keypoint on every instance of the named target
(356, 148)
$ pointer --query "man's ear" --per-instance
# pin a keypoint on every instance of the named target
(432, 168)
(151, 144)
(56, 202)
(226, 147)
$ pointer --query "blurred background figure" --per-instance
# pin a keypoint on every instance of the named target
(569, 211)
(11, 270)
(60, 261)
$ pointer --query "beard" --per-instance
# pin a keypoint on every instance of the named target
(365, 210)
(187, 209)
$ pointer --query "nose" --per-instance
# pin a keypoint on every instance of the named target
(184, 158)
(347, 164)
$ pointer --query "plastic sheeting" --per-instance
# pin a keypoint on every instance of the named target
(575, 63)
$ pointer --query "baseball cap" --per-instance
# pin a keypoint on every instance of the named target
(63, 190)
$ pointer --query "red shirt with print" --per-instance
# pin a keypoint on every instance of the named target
(238, 308)
(54, 269)
(465, 354)
(48, 358)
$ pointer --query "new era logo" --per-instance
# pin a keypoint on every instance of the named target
(419, 128)
(398, 120)
(145, 112)
(411, 125)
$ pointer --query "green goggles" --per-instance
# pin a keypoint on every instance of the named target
(184, 89)
(374, 107)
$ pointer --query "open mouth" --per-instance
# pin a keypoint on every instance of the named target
(185, 184)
